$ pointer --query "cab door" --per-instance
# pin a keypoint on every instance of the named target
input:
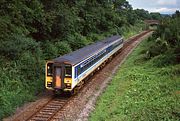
(58, 77)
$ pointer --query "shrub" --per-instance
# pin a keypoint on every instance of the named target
(157, 47)
(95, 37)
(49, 49)
(13, 46)
(77, 41)
(62, 47)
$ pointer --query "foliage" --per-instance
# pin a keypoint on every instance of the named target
(21, 72)
(160, 48)
(156, 16)
(53, 50)
(13, 46)
(142, 14)
(141, 91)
(34, 31)
(166, 40)
(132, 30)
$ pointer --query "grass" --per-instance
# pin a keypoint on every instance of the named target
(9, 100)
(141, 91)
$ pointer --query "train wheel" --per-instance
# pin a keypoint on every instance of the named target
(75, 91)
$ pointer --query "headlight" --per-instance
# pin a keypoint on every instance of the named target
(68, 84)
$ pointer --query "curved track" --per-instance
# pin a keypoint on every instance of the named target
(56, 105)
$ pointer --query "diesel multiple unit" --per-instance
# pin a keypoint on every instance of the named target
(67, 72)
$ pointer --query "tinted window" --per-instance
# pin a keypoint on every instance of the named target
(68, 71)
(49, 69)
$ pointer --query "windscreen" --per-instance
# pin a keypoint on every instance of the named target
(68, 71)
(49, 69)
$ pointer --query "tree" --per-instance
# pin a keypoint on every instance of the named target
(155, 16)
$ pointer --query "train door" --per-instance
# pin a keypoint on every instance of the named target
(58, 77)
(58, 81)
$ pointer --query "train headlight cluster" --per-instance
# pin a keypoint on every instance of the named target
(68, 85)
(49, 84)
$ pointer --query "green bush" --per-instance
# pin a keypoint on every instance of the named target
(77, 41)
(13, 46)
(21, 72)
(56, 49)
(9, 100)
(49, 49)
(158, 47)
(93, 37)
(62, 48)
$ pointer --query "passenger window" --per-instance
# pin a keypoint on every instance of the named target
(79, 71)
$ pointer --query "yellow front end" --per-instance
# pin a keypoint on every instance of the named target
(49, 82)
(68, 84)
(66, 79)
(49, 76)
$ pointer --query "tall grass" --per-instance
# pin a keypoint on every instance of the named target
(141, 90)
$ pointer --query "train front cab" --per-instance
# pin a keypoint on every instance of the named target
(58, 77)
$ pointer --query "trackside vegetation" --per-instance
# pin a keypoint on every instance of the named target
(33, 31)
(147, 86)
(141, 90)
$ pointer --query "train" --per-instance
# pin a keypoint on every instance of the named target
(68, 72)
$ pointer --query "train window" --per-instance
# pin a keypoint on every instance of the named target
(68, 71)
(49, 69)
(86, 67)
(79, 71)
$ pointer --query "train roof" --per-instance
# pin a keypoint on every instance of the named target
(85, 52)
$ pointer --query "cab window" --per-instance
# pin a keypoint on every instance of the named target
(49, 69)
(68, 71)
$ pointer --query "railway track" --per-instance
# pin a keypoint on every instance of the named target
(56, 105)
(49, 110)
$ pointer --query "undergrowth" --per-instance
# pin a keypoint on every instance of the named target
(132, 30)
